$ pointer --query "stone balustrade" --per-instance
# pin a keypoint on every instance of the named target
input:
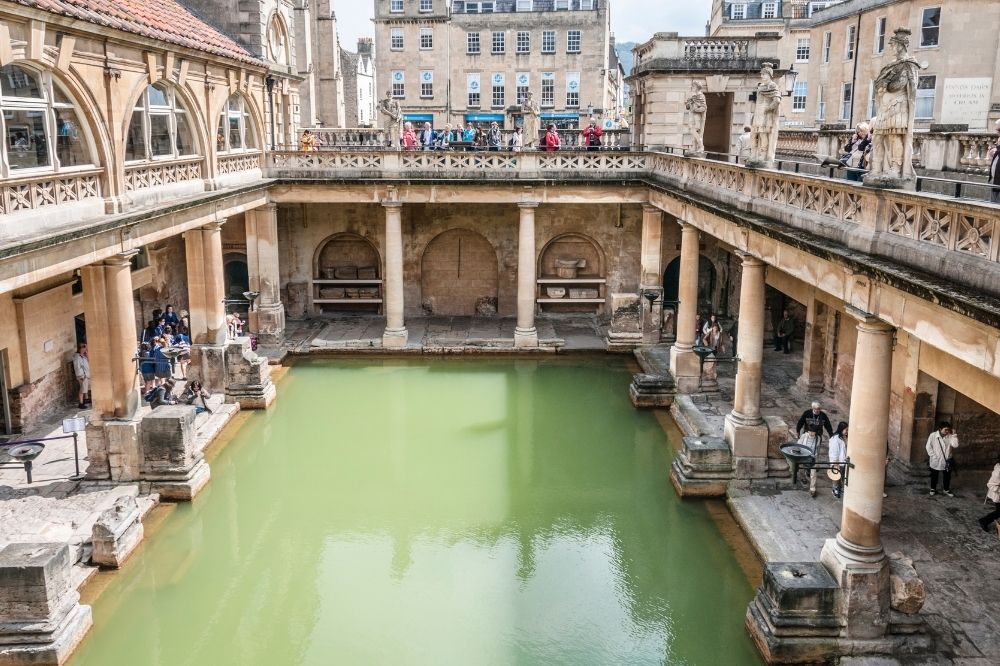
(155, 174)
(714, 48)
(238, 163)
(337, 139)
(39, 191)
(959, 152)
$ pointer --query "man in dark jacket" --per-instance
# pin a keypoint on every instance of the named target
(810, 429)
(783, 336)
(994, 173)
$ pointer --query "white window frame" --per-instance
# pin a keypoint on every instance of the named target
(172, 110)
(426, 88)
(426, 6)
(548, 41)
(769, 8)
(426, 39)
(470, 39)
(570, 34)
(845, 100)
(923, 28)
(498, 95)
(523, 42)
(872, 108)
(880, 25)
(561, 5)
(738, 11)
(235, 108)
(925, 94)
(827, 42)
(800, 49)
(548, 85)
(498, 42)
(800, 95)
(524, 5)
(400, 92)
(586, 5)
(396, 35)
(821, 103)
(850, 42)
(395, 6)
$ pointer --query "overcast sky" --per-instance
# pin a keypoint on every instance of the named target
(631, 20)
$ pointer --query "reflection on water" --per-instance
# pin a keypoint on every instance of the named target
(434, 512)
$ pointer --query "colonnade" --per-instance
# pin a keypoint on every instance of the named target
(857, 550)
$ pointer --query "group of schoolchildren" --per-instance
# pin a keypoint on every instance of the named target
(165, 349)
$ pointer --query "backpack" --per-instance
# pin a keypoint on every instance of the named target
(148, 397)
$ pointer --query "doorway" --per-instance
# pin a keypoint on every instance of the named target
(719, 122)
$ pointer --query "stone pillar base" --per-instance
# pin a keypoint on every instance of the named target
(625, 328)
(652, 390)
(268, 322)
(889, 181)
(686, 369)
(185, 489)
(41, 619)
(747, 440)
(703, 467)
(208, 365)
(117, 533)
(248, 376)
(525, 338)
(394, 338)
(905, 473)
(113, 450)
(863, 577)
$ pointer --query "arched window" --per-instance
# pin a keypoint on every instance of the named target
(235, 128)
(277, 41)
(159, 127)
(37, 110)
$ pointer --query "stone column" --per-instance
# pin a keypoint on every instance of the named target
(267, 319)
(745, 429)
(651, 278)
(855, 558)
(395, 334)
(525, 334)
(683, 362)
(813, 347)
(207, 311)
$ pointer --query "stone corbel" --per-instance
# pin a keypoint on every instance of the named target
(151, 67)
(6, 51)
(67, 43)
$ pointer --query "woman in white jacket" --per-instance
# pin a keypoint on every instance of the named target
(993, 495)
(838, 454)
(939, 447)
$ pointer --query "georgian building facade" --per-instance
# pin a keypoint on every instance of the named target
(454, 61)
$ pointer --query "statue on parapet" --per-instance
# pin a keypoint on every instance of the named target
(393, 113)
(892, 129)
(530, 112)
(697, 108)
(764, 126)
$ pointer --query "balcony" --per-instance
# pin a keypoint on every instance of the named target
(667, 52)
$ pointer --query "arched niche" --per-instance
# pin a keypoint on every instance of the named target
(347, 274)
(460, 275)
(562, 289)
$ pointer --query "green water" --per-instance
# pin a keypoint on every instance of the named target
(434, 512)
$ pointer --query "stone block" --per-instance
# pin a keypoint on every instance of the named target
(702, 468)
(652, 390)
(907, 590)
(625, 331)
(686, 369)
(247, 376)
(117, 533)
(171, 462)
(41, 619)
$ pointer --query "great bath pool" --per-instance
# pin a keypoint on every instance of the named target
(434, 512)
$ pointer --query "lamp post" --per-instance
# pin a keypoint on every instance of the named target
(73, 426)
(790, 76)
(269, 84)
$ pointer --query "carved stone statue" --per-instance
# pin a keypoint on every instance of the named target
(892, 129)
(697, 107)
(764, 126)
(393, 113)
(530, 112)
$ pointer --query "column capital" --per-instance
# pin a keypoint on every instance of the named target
(686, 226)
(527, 204)
(121, 259)
(214, 225)
(270, 207)
(650, 208)
(749, 259)
(392, 204)
(869, 322)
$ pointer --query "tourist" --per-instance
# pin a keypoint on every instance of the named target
(783, 336)
(993, 157)
(162, 395)
(592, 135)
(194, 394)
(856, 152)
(552, 141)
(147, 366)
(993, 495)
(307, 142)
(409, 137)
(838, 455)
(81, 368)
(446, 138)
(170, 317)
(161, 369)
(743, 147)
(809, 430)
(711, 333)
(940, 445)
(494, 137)
(427, 137)
(517, 140)
(234, 325)
(469, 136)
(160, 327)
(183, 340)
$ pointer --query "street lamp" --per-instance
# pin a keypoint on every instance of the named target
(801, 457)
(251, 296)
(75, 425)
(790, 77)
(269, 84)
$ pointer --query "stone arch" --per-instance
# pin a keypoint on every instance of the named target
(254, 111)
(184, 98)
(343, 250)
(707, 282)
(277, 40)
(572, 246)
(237, 274)
(460, 274)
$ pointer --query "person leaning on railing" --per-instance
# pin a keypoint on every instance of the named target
(993, 157)
(857, 151)
(552, 141)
